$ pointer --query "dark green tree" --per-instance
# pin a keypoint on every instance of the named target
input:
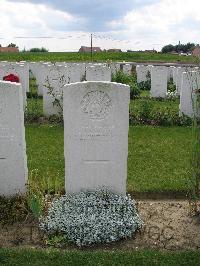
(12, 45)
(38, 50)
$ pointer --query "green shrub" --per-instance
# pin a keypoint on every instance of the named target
(130, 80)
(146, 85)
(159, 117)
(171, 86)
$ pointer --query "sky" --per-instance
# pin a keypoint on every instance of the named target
(65, 25)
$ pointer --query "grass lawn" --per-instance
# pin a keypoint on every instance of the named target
(158, 160)
(12, 257)
(35, 106)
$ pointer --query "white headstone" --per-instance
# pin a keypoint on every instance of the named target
(13, 161)
(127, 68)
(179, 74)
(76, 73)
(40, 73)
(170, 73)
(142, 73)
(98, 73)
(114, 68)
(96, 122)
(158, 81)
(174, 74)
(188, 96)
(22, 72)
(55, 79)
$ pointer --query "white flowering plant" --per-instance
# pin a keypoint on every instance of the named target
(171, 95)
(92, 217)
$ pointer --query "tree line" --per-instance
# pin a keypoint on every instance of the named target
(185, 48)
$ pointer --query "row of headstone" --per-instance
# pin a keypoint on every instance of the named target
(96, 121)
(160, 76)
(55, 77)
(52, 77)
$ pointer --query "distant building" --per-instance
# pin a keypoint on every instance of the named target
(196, 51)
(85, 49)
(9, 49)
(150, 51)
(174, 53)
(114, 50)
(141, 51)
(131, 51)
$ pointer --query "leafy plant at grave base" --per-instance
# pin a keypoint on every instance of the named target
(13, 209)
(41, 191)
(57, 97)
(171, 90)
(160, 117)
(134, 91)
(92, 217)
(56, 240)
(33, 90)
(130, 80)
(171, 86)
(56, 119)
(145, 85)
(33, 112)
(145, 111)
(171, 95)
(34, 103)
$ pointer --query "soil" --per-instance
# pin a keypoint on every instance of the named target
(168, 225)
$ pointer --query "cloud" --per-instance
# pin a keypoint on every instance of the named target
(162, 22)
(96, 13)
(38, 18)
(128, 24)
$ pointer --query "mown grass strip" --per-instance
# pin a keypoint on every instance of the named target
(49, 257)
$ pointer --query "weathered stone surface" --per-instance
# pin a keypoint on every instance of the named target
(76, 73)
(96, 120)
(127, 69)
(188, 96)
(142, 73)
(39, 70)
(158, 81)
(115, 67)
(179, 74)
(55, 79)
(13, 161)
(174, 74)
(98, 73)
(170, 73)
(22, 72)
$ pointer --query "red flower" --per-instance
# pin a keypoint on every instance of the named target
(11, 78)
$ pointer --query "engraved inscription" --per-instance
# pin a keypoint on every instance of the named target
(7, 133)
(86, 133)
(97, 104)
(57, 77)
